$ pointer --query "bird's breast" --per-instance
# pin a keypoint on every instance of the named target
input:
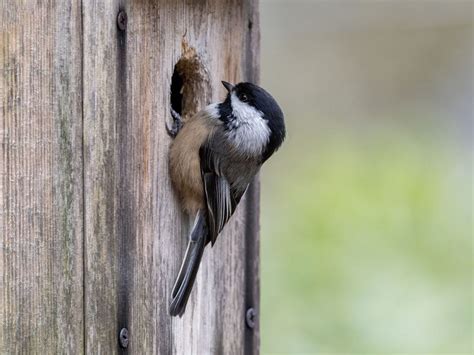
(185, 168)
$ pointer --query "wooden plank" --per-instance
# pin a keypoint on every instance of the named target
(252, 199)
(41, 303)
(103, 83)
(135, 231)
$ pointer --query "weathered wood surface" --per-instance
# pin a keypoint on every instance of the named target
(92, 235)
(41, 211)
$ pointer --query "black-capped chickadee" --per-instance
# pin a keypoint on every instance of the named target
(213, 158)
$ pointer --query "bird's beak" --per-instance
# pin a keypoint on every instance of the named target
(228, 86)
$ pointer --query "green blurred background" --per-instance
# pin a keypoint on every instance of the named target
(367, 233)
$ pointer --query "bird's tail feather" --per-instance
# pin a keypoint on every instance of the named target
(189, 268)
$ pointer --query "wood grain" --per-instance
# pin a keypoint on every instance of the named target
(41, 284)
(252, 198)
(92, 235)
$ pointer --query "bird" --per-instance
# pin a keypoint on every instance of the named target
(213, 157)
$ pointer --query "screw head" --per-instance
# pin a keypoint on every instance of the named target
(250, 318)
(123, 338)
(122, 20)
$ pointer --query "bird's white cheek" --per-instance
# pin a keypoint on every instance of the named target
(250, 133)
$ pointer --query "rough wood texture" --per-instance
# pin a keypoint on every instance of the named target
(92, 235)
(41, 219)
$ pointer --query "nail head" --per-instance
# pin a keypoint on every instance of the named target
(250, 318)
(122, 20)
(123, 338)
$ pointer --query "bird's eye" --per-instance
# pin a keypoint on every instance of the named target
(243, 98)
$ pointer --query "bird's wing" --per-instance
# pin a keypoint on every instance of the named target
(221, 199)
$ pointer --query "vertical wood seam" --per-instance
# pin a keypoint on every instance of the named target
(84, 244)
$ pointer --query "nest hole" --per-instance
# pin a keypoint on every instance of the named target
(177, 92)
(189, 85)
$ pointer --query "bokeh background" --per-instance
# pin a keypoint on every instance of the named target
(367, 233)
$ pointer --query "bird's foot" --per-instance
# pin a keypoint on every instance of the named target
(177, 124)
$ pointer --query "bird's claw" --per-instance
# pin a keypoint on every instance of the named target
(177, 124)
(176, 115)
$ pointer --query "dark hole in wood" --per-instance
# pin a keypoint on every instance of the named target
(177, 91)
(189, 84)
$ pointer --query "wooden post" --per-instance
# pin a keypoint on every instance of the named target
(91, 234)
